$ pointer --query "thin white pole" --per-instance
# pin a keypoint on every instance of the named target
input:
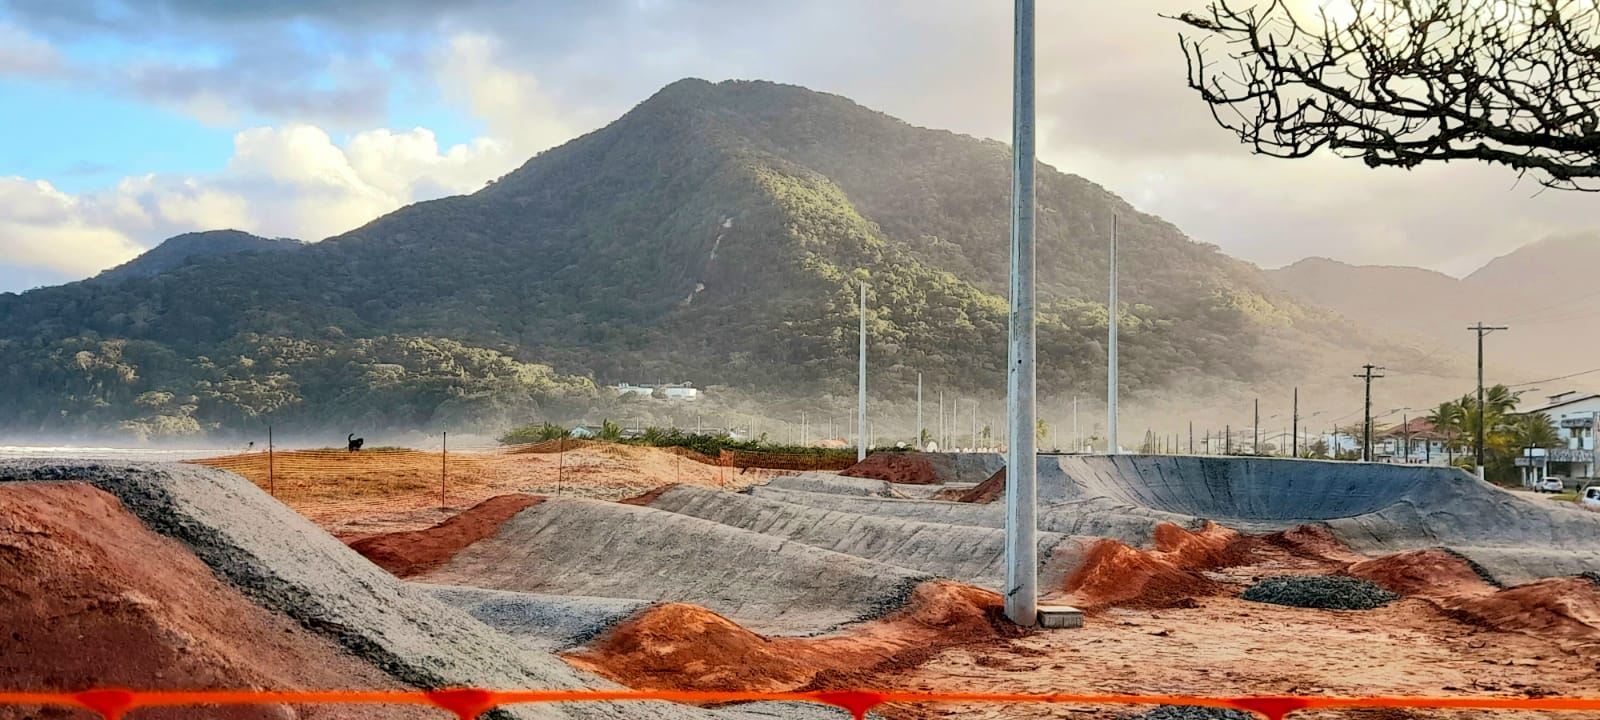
(861, 384)
(1022, 564)
(918, 430)
(1111, 356)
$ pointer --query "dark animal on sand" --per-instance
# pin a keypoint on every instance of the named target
(355, 442)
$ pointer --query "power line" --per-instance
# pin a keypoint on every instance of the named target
(1563, 377)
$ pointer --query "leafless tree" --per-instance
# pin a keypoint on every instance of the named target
(1405, 82)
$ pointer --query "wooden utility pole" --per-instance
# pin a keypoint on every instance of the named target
(1295, 450)
(1366, 430)
(1482, 330)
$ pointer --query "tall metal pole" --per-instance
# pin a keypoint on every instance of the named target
(1255, 440)
(1022, 565)
(1295, 449)
(1482, 330)
(1111, 352)
(919, 413)
(1077, 440)
(861, 384)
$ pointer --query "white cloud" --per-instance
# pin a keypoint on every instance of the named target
(292, 181)
(42, 227)
(24, 54)
(515, 107)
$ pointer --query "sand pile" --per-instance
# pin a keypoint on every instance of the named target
(686, 647)
(1432, 573)
(91, 597)
(417, 551)
(1114, 574)
(895, 467)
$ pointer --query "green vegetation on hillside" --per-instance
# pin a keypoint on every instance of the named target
(715, 234)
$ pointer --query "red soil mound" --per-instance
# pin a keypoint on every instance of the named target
(1567, 607)
(687, 647)
(896, 467)
(1213, 546)
(1315, 542)
(417, 551)
(1432, 573)
(1114, 574)
(987, 491)
(91, 597)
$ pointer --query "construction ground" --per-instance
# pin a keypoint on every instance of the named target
(605, 566)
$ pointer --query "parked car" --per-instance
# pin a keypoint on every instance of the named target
(1550, 485)
(1590, 499)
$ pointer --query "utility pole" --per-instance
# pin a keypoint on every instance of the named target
(1295, 451)
(1255, 447)
(861, 384)
(1482, 330)
(1111, 352)
(1366, 430)
(1021, 590)
(1191, 437)
(919, 413)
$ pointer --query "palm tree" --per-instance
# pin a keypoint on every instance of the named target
(1533, 430)
(1447, 420)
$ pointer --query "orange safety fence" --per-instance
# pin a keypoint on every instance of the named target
(468, 703)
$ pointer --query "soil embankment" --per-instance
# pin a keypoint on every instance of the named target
(685, 647)
(414, 552)
(93, 598)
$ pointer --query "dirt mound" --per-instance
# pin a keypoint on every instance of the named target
(94, 598)
(1322, 592)
(987, 491)
(1433, 573)
(1114, 574)
(895, 467)
(687, 647)
(417, 551)
(1210, 547)
(1316, 542)
(1566, 608)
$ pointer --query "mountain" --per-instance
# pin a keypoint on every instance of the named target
(1544, 291)
(715, 233)
(176, 251)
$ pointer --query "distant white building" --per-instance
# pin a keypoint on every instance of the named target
(669, 391)
(1574, 414)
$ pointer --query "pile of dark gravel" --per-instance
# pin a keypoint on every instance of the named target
(1191, 712)
(1328, 592)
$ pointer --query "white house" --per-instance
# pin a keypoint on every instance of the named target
(1574, 414)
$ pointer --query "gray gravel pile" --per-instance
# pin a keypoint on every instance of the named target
(1191, 712)
(1325, 592)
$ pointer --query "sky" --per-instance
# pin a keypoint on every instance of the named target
(125, 122)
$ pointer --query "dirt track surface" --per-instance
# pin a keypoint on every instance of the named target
(382, 490)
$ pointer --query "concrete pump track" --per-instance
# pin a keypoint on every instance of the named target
(539, 599)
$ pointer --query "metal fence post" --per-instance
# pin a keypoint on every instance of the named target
(444, 468)
(272, 485)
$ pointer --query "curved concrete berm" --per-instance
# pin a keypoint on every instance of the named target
(567, 546)
(1372, 507)
(284, 563)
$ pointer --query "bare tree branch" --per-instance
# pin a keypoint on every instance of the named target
(1399, 83)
